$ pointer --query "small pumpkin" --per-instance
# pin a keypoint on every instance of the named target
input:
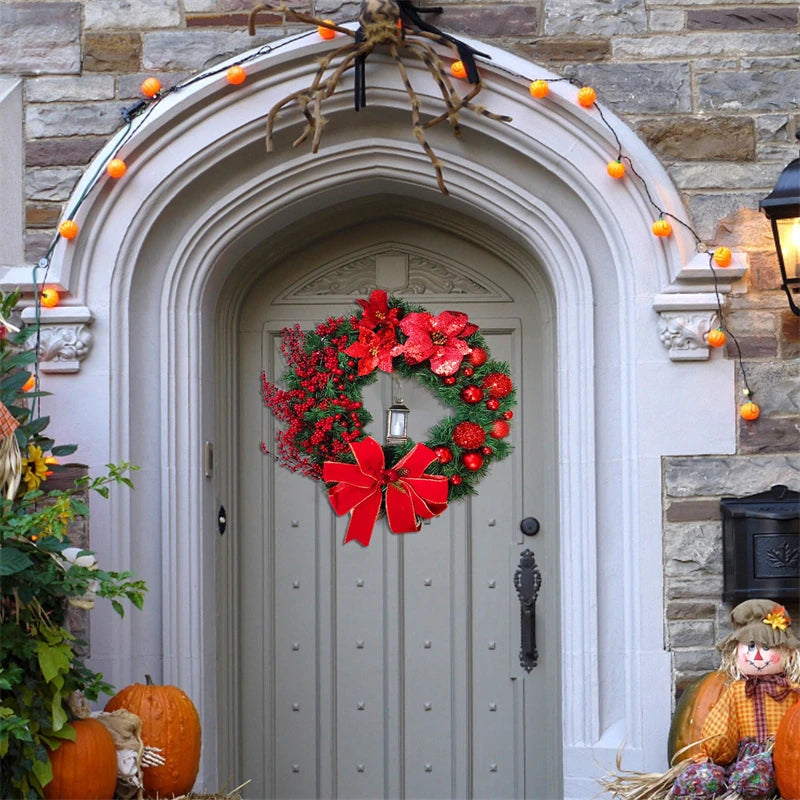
(691, 711)
(237, 73)
(151, 87)
(68, 229)
(661, 227)
(85, 769)
(616, 169)
(169, 722)
(716, 338)
(539, 89)
(786, 755)
(587, 96)
(116, 168)
(722, 257)
(326, 33)
(749, 411)
(50, 297)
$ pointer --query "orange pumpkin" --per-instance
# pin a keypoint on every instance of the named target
(661, 227)
(50, 297)
(587, 96)
(68, 229)
(171, 723)
(151, 87)
(691, 711)
(326, 33)
(786, 754)
(539, 89)
(749, 411)
(616, 169)
(722, 257)
(116, 168)
(85, 769)
(237, 73)
(716, 338)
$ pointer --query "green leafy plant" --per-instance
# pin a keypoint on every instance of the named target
(42, 575)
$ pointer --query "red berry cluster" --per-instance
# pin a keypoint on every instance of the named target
(321, 415)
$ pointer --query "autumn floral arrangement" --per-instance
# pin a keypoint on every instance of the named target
(322, 408)
(42, 576)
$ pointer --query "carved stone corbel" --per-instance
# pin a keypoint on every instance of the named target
(64, 340)
(688, 309)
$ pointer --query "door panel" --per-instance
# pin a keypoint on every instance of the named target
(393, 670)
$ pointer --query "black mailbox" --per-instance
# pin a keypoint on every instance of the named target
(761, 545)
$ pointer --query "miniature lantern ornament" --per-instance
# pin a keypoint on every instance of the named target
(397, 423)
(782, 208)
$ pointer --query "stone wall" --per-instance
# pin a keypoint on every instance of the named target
(710, 86)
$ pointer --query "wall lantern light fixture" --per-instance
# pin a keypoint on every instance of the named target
(782, 208)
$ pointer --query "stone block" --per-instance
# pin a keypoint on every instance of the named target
(780, 62)
(112, 52)
(590, 18)
(196, 6)
(692, 587)
(69, 88)
(71, 119)
(638, 88)
(691, 610)
(719, 138)
(790, 335)
(695, 660)
(753, 347)
(40, 38)
(565, 48)
(692, 510)
(778, 387)
(764, 273)
(750, 90)
(337, 9)
(51, 184)
(197, 49)
(246, 5)
(770, 434)
(37, 242)
(504, 20)
(746, 228)
(711, 211)
(730, 175)
(772, 127)
(741, 18)
(704, 45)
(691, 548)
(691, 633)
(62, 151)
(666, 19)
(751, 322)
(134, 14)
(715, 476)
(239, 21)
(39, 215)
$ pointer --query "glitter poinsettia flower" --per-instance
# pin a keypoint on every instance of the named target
(440, 339)
(373, 349)
(377, 314)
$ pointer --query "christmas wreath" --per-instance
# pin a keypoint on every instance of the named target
(321, 406)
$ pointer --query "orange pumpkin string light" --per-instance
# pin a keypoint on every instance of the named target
(661, 227)
(616, 169)
(722, 257)
(539, 89)
(587, 96)
(151, 87)
(458, 69)
(29, 384)
(236, 74)
(68, 229)
(749, 411)
(326, 33)
(50, 297)
(716, 337)
(116, 168)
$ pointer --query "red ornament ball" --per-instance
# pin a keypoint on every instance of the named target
(492, 404)
(487, 451)
(455, 480)
(498, 384)
(478, 356)
(449, 380)
(469, 435)
(472, 394)
(500, 429)
(472, 461)
(444, 455)
(508, 414)
(468, 372)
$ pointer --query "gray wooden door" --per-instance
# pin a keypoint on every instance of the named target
(393, 670)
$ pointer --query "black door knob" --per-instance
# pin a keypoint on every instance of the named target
(529, 526)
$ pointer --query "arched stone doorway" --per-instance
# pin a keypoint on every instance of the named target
(160, 249)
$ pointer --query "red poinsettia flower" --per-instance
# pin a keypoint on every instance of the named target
(373, 349)
(377, 313)
(440, 339)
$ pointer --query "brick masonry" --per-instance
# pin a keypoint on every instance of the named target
(711, 87)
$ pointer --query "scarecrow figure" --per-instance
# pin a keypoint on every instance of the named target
(10, 455)
(762, 659)
(762, 656)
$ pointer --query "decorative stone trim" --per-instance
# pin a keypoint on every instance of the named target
(688, 309)
(64, 337)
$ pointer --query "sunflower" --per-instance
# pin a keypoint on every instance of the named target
(34, 468)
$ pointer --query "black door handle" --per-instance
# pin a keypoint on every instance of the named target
(527, 582)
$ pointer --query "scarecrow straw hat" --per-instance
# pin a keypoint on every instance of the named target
(763, 622)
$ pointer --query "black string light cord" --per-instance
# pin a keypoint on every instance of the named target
(144, 107)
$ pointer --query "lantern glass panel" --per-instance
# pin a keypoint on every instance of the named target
(788, 231)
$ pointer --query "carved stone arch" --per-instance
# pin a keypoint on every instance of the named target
(200, 200)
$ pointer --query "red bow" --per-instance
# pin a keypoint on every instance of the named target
(363, 488)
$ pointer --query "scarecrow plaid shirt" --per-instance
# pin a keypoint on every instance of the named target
(746, 714)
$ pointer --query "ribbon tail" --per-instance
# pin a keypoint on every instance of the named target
(363, 518)
(400, 510)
